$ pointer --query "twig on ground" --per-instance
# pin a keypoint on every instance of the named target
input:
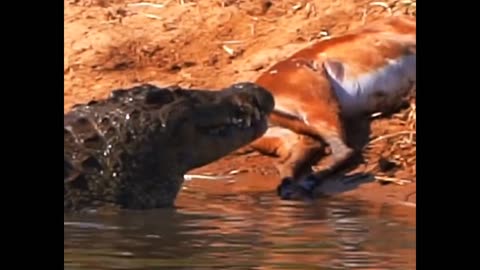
(182, 3)
(228, 50)
(324, 34)
(381, 4)
(311, 10)
(297, 7)
(232, 42)
(151, 16)
(388, 136)
(188, 177)
(147, 4)
(394, 180)
(254, 18)
(216, 176)
(409, 5)
(375, 4)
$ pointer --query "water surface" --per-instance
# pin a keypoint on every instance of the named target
(256, 231)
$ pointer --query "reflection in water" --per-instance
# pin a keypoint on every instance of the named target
(245, 232)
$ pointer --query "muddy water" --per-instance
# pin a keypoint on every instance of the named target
(211, 229)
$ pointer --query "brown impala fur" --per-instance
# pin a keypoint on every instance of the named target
(365, 71)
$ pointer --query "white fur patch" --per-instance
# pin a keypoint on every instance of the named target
(355, 92)
(276, 131)
(287, 108)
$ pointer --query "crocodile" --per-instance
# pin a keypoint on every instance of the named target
(132, 149)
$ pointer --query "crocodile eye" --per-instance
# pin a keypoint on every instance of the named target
(159, 97)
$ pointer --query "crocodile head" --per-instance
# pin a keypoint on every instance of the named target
(216, 123)
(133, 148)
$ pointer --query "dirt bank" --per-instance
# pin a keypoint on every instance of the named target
(116, 43)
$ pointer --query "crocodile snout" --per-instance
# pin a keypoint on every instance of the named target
(263, 99)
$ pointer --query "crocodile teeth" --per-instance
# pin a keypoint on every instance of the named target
(248, 122)
(237, 121)
(256, 112)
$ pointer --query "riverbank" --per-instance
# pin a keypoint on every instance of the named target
(117, 43)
